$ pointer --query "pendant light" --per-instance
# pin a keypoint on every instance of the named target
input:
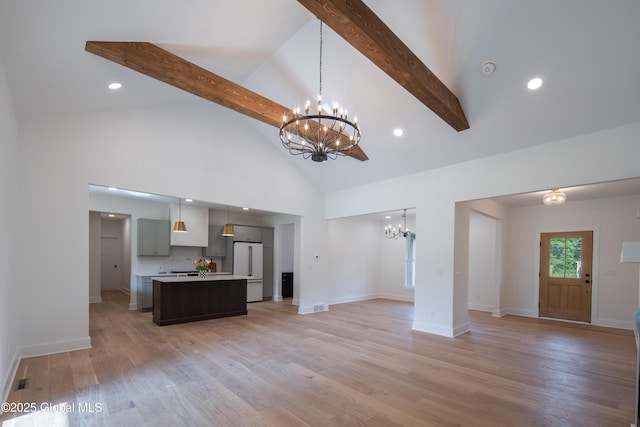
(179, 226)
(227, 230)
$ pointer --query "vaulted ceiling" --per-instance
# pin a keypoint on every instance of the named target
(585, 51)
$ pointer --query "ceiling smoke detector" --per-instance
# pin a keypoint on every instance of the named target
(488, 68)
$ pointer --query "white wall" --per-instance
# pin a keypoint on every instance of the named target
(354, 257)
(95, 250)
(483, 261)
(136, 149)
(615, 285)
(607, 155)
(9, 216)
(364, 264)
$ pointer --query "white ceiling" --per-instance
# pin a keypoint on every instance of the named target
(585, 50)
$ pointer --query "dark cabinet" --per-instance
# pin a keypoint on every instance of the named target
(189, 301)
(287, 285)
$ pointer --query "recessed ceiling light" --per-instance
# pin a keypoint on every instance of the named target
(387, 217)
(245, 209)
(534, 83)
(112, 216)
(188, 200)
(398, 132)
(113, 189)
(115, 86)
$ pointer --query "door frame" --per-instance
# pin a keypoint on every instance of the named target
(595, 269)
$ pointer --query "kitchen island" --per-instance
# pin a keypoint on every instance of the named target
(189, 299)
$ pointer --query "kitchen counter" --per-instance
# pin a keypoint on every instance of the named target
(189, 299)
(190, 279)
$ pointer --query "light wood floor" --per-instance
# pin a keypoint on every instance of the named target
(357, 364)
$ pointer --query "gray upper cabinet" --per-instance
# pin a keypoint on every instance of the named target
(153, 237)
(247, 234)
(267, 237)
(217, 243)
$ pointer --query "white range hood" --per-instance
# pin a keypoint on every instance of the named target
(196, 219)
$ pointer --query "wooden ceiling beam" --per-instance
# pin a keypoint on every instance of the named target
(153, 61)
(362, 28)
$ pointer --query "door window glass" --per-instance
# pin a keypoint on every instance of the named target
(565, 257)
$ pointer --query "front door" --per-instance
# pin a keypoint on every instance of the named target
(565, 275)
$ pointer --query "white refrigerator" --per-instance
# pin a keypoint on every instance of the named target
(247, 261)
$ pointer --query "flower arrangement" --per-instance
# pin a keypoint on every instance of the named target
(202, 264)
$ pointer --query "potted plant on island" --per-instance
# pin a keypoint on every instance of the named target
(202, 265)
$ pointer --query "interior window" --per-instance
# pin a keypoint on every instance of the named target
(411, 261)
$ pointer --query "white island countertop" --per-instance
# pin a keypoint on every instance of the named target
(209, 278)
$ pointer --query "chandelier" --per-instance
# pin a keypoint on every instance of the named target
(320, 136)
(392, 233)
(554, 197)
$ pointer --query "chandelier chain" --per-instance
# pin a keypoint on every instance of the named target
(325, 135)
(320, 59)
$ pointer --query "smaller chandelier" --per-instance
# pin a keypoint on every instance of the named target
(320, 136)
(392, 233)
(554, 197)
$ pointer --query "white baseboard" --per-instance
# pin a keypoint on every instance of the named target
(433, 329)
(318, 308)
(499, 312)
(124, 290)
(10, 375)
(398, 297)
(54, 347)
(461, 329)
(94, 300)
(352, 298)
(133, 307)
(613, 324)
(480, 307)
(520, 312)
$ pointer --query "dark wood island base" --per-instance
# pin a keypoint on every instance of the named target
(187, 299)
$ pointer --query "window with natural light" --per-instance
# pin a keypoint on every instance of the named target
(410, 271)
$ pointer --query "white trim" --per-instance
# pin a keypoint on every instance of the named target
(94, 300)
(480, 307)
(310, 309)
(433, 329)
(614, 324)
(501, 312)
(398, 297)
(55, 347)
(11, 374)
(133, 307)
(352, 298)
(521, 312)
(461, 329)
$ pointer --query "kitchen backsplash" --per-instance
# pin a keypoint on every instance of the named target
(180, 259)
